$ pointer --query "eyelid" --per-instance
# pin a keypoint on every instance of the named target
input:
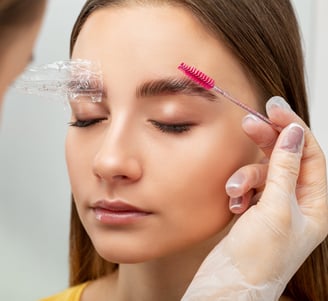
(90, 109)
(87, 122)
(173, 128)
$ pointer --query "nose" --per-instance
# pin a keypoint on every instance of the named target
(117, 159)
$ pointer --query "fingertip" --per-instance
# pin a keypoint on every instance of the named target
(240, 204)
(236, 205)
(250, 124)
(250, 120)
(277, 102)
(280, 113)
(234, 185)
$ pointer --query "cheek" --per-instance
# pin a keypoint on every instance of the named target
(195, 179)
(78, 154)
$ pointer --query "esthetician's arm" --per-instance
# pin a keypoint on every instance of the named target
(270, 241)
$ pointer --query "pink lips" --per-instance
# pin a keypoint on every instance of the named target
(117, 212)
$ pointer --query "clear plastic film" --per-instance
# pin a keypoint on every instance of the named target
(220, 279)
(71, 80)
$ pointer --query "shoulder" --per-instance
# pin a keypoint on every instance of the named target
(71, 294)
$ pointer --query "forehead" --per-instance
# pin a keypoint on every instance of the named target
(142, 25)
(135, 43)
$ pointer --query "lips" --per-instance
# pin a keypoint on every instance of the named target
(117, 212)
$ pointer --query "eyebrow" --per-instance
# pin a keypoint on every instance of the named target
(172, 86)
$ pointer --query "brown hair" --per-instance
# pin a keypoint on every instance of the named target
(264, 36)
(19, 12)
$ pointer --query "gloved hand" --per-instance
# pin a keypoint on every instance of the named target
(288, 219)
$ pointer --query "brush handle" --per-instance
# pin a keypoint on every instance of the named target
(246, 108)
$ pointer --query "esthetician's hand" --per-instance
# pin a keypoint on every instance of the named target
(288, 219)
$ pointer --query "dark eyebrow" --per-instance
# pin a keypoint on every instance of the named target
(171, 86)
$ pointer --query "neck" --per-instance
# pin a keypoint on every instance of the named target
(162, 279)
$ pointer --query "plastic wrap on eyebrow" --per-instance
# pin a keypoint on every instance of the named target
(72, 80)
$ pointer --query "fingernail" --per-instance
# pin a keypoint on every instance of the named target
(277, 102)
(234, 183)
(293, 141)
(250, 119)
(235, 203)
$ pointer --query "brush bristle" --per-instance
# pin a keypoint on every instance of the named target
(197, 76)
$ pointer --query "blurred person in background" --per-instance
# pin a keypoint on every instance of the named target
(20, 22)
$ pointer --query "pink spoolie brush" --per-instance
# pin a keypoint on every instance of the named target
(208, 83)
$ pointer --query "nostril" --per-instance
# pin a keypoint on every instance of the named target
(120, 177)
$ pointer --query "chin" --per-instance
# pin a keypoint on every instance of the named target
(127, 256)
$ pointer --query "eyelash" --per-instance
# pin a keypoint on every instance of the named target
(86, 123)
(173, 128)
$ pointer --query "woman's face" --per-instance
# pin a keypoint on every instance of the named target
(149, 167)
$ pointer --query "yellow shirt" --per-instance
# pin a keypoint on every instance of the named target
(71, 294)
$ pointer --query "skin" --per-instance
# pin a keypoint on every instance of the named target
(17, 53)
(121, 158)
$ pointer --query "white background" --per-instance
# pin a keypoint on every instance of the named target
(34, 187)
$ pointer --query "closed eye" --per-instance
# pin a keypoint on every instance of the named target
(86, 123)
(173, 128)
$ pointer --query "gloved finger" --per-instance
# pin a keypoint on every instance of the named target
(311, 184)
(240, 204)
(280, 112)
(264, 135)
(283, 171)
(245, 179)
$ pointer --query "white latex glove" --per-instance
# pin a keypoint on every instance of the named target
(270, 241)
